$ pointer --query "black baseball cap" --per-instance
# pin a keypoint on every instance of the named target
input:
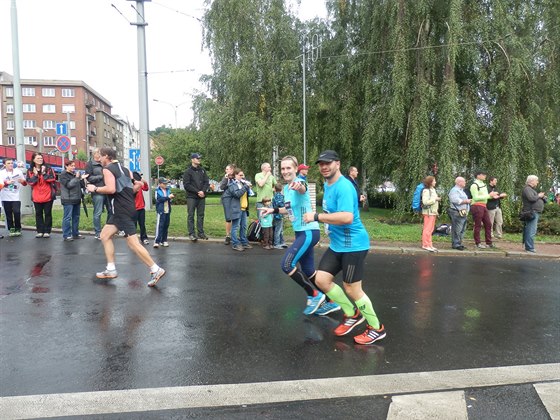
(328, 156)
(196, 156)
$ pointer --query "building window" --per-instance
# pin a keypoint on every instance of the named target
(49, 109)
(48, 141)
(49, 125)
(68, 93)
(11, 140)
(48, 92)
(31, 140)
(72, 125)
(29, 108)
(27, 91)
(9, 92)
(68, 109)
(28, 123)
(10, 125)
(9, 108)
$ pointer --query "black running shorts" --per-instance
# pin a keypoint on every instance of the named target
(124, 223)
(351, 264)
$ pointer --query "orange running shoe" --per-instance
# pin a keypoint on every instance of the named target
(370, 335)
(349, 323)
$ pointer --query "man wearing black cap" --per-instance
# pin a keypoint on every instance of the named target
(196, 183)
(480, 196)
(349, 245)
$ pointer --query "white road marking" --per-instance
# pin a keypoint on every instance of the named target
(436, 405)
(201, 396)
(550, 396)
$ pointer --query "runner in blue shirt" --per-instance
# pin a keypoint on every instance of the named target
(296, 204)
(347, 252)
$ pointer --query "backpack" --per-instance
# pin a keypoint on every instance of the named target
(417, 198)
(254, 231)
(468, 189)
(442, 230)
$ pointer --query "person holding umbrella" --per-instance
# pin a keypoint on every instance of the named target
(71, 183)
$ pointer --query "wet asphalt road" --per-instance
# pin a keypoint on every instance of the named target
(223, 317)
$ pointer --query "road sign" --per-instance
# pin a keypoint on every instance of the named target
(61, 129)
(134, 162)
(63, 144)
(159, 160)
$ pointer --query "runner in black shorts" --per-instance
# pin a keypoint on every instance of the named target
(120, 188)
(349, 245)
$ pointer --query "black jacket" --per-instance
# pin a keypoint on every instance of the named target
(195, 180)
(70, 188)
(531, 200)
(95, 171)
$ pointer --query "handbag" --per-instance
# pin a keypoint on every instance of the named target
(527, 215)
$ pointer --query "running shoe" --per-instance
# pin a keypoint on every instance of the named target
(107, 274)
(238, 248)
(39, 235)
(193, 238)
(248, 246)
(349, 323)
(146, 242)
(327, 308)
(46, 235)
(156, 245)
(165, 244)
(313, 303)
(156, 276)
(370, 335)
(227, 240)
(202, 236)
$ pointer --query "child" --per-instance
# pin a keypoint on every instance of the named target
(163, 209)
(278, 222)
(266, 224)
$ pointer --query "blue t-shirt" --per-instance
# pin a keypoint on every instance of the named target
(296, 204)
(341, 196)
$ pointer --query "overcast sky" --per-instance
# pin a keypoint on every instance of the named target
(90, 40)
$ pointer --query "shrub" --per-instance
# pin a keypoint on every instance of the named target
(382, 200)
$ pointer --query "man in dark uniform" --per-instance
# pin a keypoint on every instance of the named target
(196, 183)
(120, 188)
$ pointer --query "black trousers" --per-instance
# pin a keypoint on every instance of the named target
(140, 220)
(196, 205)
(43, 216)
(12, 209)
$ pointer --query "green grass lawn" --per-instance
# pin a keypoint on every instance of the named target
(378, 223)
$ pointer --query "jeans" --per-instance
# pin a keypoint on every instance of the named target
(529, 232)
(241, 225)
(458, 227)
(12, 210)
(198, 205)
(98, 202)
(278, 225)
(71, 220)
(43, 216)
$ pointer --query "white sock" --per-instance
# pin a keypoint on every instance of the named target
(154, 268)
(111, 266)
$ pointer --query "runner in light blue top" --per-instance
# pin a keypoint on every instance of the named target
(344, 238)
(297, 203)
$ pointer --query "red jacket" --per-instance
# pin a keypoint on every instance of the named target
(42, 185)
(139, 199)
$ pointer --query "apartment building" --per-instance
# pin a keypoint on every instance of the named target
(48, 102)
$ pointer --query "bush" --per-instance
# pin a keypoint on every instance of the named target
(549, 221)
(382, 200)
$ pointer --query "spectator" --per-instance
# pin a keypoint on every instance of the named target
(494, 209)
(458, 212)
(235, 201)
(532, 201)
(12, 179)
(120, 187)
(42, 179)
(196, 183)
(266, 224)
(352, 177)
(302, 171)
(164, 197)
(430, 206)
(278, 219)
(141, 207)
(480, 196)
(95, 172)
(224, 183)
(71, 184)
(264, 187)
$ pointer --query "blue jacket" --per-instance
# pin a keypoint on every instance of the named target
(231, 200)
(162, 198)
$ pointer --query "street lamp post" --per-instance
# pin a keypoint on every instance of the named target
(175, 107)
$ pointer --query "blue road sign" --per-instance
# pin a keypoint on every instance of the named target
(61, 129)
(63, 144)
(134, 162)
